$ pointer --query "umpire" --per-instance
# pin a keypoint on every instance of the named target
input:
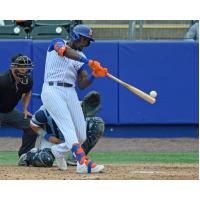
(16, 84)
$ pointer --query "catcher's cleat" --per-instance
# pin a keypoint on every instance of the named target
(23, 160)
(60, 160)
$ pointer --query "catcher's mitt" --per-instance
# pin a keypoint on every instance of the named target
(91, 104)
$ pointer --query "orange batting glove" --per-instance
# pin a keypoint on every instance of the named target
(102, 72)
(94, 65)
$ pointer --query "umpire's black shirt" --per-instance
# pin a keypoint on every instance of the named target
(10, 93)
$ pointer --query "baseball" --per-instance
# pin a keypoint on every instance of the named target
(153, 94)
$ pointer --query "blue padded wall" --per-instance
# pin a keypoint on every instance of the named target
(170, 68)
(9, 48)
(39, 57)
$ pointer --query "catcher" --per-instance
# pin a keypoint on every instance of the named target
(49, 134)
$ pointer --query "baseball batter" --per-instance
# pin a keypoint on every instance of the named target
(65, 64)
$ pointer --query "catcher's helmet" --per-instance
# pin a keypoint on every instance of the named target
(22, 60)
(82, 30)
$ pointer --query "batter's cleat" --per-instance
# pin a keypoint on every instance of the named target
(23, 160)
(89, 168)
(60, 160)
(84, 165)
(71, 160)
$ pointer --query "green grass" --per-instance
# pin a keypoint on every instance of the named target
(146, 157)
(10, 157)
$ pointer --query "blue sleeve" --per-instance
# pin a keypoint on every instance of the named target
(47, 136)
(59, 41)
(84, 67)
(83, 58)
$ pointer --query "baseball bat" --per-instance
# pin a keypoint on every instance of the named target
(133, 89)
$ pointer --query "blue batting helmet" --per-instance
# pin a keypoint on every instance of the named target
(81, 30)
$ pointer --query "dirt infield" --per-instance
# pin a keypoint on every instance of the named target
(112, 172)
(125, 144)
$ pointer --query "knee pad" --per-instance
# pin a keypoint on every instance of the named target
(95, 129)
(95, 126)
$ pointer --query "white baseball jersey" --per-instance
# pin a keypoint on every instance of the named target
(61, 68)
(61, 102)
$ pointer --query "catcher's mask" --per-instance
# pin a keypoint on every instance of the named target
(22, 66)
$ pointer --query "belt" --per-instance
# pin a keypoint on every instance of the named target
(60, 84)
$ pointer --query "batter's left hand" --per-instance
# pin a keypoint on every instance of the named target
(27, 114)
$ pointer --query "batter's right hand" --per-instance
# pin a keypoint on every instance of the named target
(102, 72)
(95, 65)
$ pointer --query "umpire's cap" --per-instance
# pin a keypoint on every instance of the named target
(82, 30)
(22, 60)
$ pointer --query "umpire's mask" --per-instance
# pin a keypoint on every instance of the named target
(22, 66)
